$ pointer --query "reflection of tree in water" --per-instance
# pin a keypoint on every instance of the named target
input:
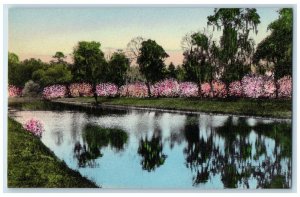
(151, 153)
(95, 138)
(237, 163)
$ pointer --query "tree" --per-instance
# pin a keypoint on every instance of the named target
(133, 48)
(54, 74)
(197, 57)
(277, 47)
(171, 72)
(118, 66)
(151, 62)
(236, 47)
(21, 72)
(89, 63)
(59, 58)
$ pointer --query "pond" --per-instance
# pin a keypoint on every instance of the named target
(148, 149)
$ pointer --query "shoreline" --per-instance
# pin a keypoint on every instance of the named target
(166, 110)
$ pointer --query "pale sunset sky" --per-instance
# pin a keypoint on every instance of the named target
(41, 31)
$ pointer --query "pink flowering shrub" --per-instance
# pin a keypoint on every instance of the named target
(165, 88)
(107, 89)
(14, 91)
(34, 126)
(219, 89)
(54, 91)
(235, 89)
(81, 89)
(253, 86)
(206, 90)
(188, 89)
(137, 89)
(285, 87)
(269, 88)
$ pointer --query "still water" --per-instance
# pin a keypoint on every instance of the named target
(146, 149)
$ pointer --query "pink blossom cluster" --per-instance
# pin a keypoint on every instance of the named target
(14, 91)
(54, 91)
(235, 89)
(253, 86)
(34, 126)
(81, 89)
(219, 89)
(269, 88)
(137, 89)
(107, 89)
(188, 89)
(165, 88)
(285, 87)
(206, 90)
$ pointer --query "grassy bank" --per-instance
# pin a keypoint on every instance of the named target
(267, 108)
(32, 165)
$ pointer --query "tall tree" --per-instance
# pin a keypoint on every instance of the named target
(89, 63)
(236, 47)
(133, 48)
(197, 54)
(151, 62)
(276, 48)
(118, 66)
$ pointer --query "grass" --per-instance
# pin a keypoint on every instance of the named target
(266, 108)
(32, 165)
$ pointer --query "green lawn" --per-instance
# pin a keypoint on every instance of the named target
(268, 107)
(32, 165)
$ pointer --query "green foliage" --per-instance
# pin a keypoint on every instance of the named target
(59, 58)
(53, 74)
(20, 73)
(151, 60)
(171, 71)
(89, 62)
(32, 165)
(118, 66)
(277, 47)
(236, 48)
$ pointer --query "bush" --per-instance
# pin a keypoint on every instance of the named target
(188, 89)
(31, 89)
(54, 91)
(235, 89)
(14, 91)
(34, 126)
(81, 89)
(165, 88)
(107, 89)
(253, 86)
(138, 90)
(285, 87)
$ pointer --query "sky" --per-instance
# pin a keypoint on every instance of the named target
(41, 31)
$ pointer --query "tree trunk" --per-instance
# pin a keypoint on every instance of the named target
(95, 94)
(149, 90)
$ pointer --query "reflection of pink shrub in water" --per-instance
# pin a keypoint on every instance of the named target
(188, 89)
(107, 89)
(285, 87)
(14, 91)
(54, 91)
(34, 126)
(81, 89)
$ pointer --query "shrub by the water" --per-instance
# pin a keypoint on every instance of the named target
(31, 89)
